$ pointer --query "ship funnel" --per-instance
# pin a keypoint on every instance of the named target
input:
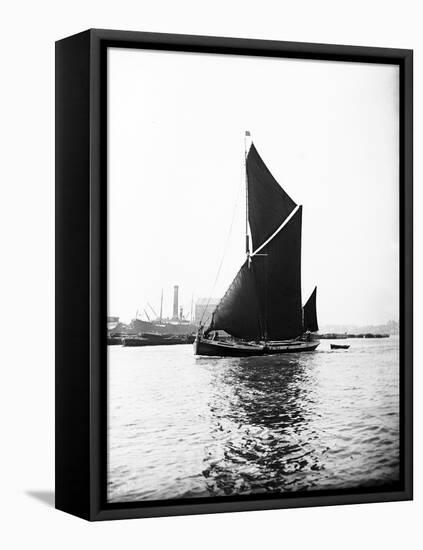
(175, 301)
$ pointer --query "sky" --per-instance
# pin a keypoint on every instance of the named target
(328, 132)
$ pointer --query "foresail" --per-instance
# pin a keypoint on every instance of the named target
(238, 312)
(310, 313)
(268, 204)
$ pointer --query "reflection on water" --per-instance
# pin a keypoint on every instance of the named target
(181, 426)
(262, 431)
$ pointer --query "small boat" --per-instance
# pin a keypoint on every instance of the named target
(134, 341)
(262, 309)
(114, 340)
(339, 346)
(152, 339)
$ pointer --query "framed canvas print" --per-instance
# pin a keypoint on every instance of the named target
(233, 274)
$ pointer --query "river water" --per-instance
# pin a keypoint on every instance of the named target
(180, 426)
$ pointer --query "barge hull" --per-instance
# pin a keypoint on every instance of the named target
(213, 348)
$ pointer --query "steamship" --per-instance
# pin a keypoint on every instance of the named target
(262, 309)
(161, 332)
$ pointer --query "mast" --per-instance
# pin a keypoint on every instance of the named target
(161, 307)
(247, 238)
(192, 307)
(151, 307)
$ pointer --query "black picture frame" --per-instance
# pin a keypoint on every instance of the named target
(81, 273)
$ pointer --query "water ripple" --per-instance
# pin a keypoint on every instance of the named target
(183, 427)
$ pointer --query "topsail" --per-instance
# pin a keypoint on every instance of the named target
(268, 204)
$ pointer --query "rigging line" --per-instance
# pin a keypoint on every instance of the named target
(223, 255)
(282, 225)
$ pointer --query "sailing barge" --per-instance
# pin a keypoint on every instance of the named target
(262, 309)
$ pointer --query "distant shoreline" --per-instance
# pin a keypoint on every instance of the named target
(344, 336)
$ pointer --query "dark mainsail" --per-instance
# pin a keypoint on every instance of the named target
(264, 300)
(310, 314)
(268, 204)
(280, 281)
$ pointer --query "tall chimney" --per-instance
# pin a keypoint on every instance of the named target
(175, 301)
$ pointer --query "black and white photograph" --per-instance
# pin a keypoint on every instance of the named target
(253, 276)
(210, 237)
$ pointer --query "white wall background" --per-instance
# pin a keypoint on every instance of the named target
(27, 37)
